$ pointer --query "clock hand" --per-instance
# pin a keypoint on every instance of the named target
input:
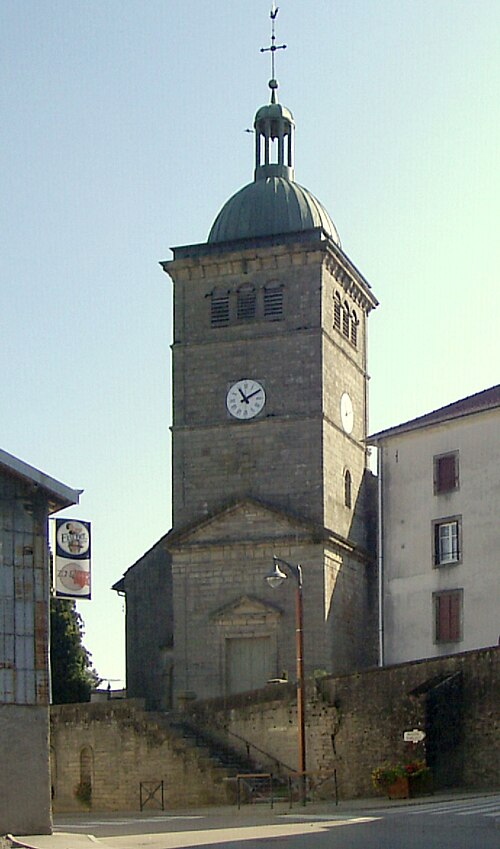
(253, 393)
(244, 397)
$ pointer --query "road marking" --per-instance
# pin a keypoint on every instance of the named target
(112, 822)
(479, 807)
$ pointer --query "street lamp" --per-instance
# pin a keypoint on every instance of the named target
(275, 579)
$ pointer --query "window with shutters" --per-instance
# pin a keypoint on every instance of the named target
(337, 311)
(354, 329)
(346, 321)
(448, 607)
(273, 302)
(447, 541)
(219, 309)
(446, 472)
(246, 303)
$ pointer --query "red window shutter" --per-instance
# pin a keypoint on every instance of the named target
(446, 473)
(448, 615)
(454, 603)
(443, 617)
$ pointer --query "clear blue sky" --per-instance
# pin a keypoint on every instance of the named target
(123, 134)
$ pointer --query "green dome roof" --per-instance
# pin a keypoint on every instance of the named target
(274, 203)
(268, 207)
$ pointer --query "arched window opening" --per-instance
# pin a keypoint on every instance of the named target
(246, 303)
(219, 309)
(348, 489)
(84, 788)
(354, 328)
(337, 311)
(346, 320)
(273, 301)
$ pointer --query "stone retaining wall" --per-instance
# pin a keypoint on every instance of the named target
(354, 723)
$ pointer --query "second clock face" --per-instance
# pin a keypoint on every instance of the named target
(346, 413)
(245, 399)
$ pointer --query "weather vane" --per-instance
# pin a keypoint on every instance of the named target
(274, 47)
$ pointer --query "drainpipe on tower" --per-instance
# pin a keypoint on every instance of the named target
(380, 547)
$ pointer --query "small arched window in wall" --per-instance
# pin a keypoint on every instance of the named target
(246, 303)
(273, 301)
(84, 789)
(53, 772)
(347, 488)
(354, 328)
(337, 311)
(345, 320)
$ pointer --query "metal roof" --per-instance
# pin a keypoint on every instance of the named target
(59, 495)
(268, 207)
(487, 399)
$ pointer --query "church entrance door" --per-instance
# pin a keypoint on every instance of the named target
(249, 663)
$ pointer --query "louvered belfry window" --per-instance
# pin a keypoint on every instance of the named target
(337, 311)
(354, 329)
(219, 309)
(273, 302)
(246, 303)
(346, 324)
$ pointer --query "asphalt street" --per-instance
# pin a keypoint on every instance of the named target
(469, 822)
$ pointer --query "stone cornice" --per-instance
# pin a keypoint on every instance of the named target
(352, 281)
(240, 263)
(295, 250)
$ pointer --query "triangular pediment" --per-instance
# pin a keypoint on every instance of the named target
(246, 608)
(244, 521)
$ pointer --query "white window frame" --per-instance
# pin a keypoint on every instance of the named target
(447, 541)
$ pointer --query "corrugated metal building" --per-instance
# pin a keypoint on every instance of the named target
(27, 498)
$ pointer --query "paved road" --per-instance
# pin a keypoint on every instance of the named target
(471, 823)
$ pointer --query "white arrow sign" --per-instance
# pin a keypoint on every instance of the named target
(415, 736)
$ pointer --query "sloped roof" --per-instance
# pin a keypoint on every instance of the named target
(58, 494)
(225, 524)
(487, 399)
(119, 586)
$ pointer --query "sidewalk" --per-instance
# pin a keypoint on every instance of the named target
(222, 817)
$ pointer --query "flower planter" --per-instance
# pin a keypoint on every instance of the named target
(421, 785)
(399, 789)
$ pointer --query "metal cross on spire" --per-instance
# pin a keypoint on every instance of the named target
(274, 47)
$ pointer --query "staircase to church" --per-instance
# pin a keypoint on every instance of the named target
(255, 783)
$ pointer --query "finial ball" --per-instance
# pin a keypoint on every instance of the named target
(273, 83)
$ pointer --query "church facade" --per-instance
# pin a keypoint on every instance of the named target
(269, 454)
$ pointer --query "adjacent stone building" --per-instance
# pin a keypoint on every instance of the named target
(438, 558)
(27, 498)
(270, 392)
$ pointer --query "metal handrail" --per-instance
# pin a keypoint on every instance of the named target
(255, 775)
(249, 745)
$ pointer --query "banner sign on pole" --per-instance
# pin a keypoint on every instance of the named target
(72, 560)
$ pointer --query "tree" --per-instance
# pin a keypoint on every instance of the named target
(70, 663)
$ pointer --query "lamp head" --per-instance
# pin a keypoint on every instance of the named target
(276, 577)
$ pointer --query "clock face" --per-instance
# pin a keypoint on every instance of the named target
(346, 413)
(245, 399)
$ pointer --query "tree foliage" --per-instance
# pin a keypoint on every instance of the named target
(70, 663)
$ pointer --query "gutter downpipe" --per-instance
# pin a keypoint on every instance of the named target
(380, 523)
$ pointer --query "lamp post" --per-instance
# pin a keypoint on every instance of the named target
(275, 579)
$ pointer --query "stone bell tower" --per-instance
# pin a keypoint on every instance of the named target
(269, 428)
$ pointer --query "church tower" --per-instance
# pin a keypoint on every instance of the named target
(269, 429)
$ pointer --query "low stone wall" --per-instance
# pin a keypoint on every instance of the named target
(102, 752)
(357, 722)
(354, 723)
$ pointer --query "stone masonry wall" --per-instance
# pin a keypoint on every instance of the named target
(123, 746)
(356, 722)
